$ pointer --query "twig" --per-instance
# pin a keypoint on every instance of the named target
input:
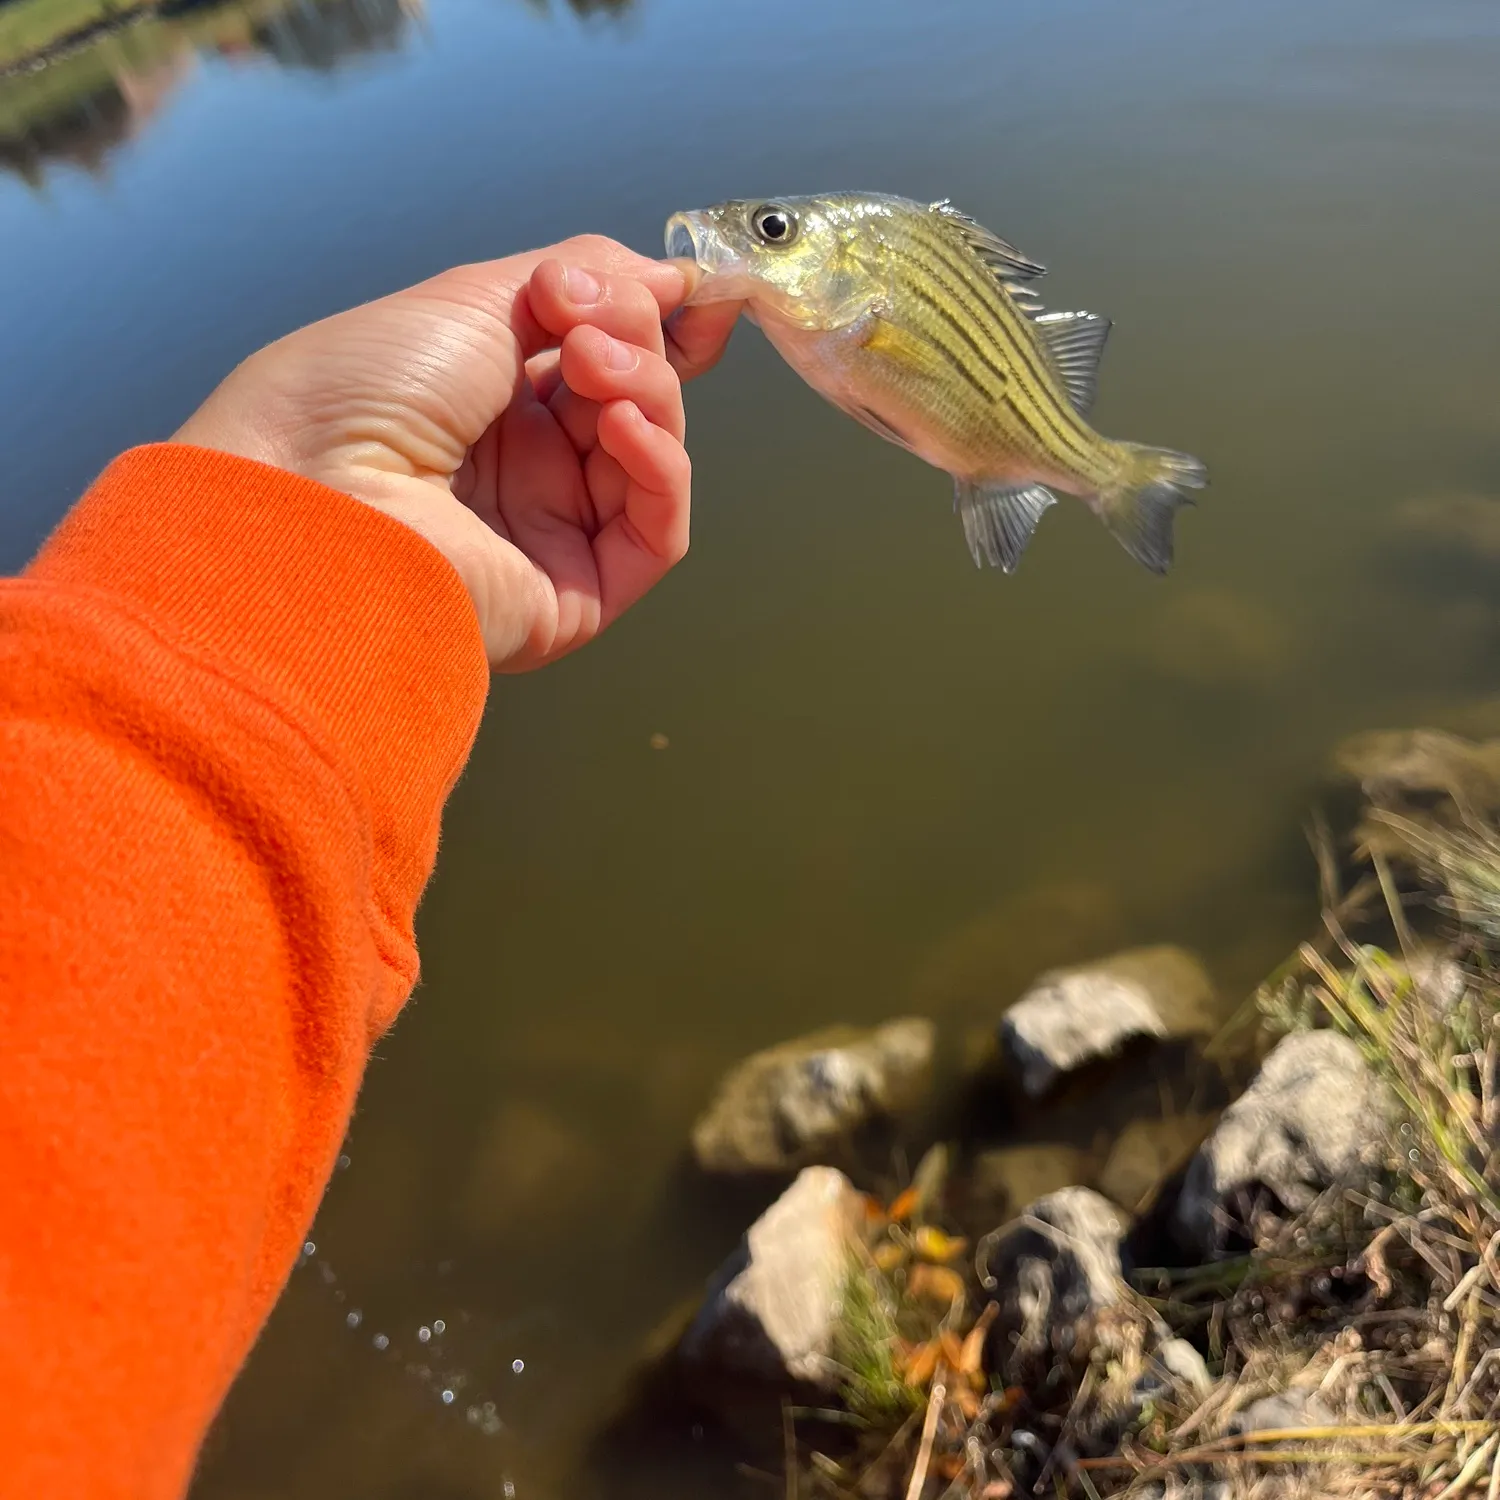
(1085, 1386)
(789, 1439)
(1471, 1470)
(929, 1431)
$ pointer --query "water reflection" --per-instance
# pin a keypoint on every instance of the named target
(76, 84)
(74, 88)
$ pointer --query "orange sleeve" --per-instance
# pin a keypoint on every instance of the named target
(232, 703)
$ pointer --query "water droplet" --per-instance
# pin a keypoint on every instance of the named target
(423, 1334)
(1414, 1154)
(308, 1248)
(438, 1326)
(342, 1163)
(353, 1317)
(447, 1398)
(517, 1365)
(381, 1341)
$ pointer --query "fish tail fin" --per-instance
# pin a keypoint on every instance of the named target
(1141, 504)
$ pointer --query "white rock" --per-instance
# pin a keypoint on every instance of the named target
(772, 1310)
(1071, 1017)
(1307, 1122)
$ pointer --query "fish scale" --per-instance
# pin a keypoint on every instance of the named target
(924, 326)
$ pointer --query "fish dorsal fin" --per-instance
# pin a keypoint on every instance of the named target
(1074, 341)
(999, 519)
(1002, 258)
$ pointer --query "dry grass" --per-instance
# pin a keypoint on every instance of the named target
(1377, 1309)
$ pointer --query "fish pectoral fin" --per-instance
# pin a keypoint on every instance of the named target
(903, 347)
(1075, 343)
(999, 519)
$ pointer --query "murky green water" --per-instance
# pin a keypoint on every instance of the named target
(891, 782)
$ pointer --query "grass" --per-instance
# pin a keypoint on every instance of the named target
(1379, 1304)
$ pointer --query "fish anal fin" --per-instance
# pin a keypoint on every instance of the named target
(999, 519)
(1074, 342)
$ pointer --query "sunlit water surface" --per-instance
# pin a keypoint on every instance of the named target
(890, 782)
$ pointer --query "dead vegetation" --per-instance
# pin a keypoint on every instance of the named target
(1353, 1349)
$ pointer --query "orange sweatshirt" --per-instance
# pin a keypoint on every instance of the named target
(232, 703)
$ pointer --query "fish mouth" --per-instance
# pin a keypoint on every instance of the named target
(684, 233)
(694, 236)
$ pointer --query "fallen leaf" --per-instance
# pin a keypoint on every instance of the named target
(922, 1364)
(933, 1244)
(970, 1363)
(966, 1399)
(902, 1206)
(941, 1283)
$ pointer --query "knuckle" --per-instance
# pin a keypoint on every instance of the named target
(597, 247)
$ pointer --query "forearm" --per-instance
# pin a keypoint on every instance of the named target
(231, 705)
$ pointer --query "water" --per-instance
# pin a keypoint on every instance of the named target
(890, 782)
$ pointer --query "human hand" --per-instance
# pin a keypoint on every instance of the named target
(524, 415)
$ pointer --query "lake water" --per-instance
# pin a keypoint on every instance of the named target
(891, 783)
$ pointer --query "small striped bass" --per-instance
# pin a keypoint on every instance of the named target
(924, 326)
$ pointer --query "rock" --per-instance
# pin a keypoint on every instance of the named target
(1145, 1154)
(1425, 776)
(1053, 1271)
(1305, 1123)
(1290, 1408)
(1453, 521)
(1000, 1182)
(772, 1311)
(785, 1107)
(1210, 637)
(1071, 1017)
(1185, 1365)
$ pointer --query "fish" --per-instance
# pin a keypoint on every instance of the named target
(925, 327)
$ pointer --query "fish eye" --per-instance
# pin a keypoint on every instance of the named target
(774, 224)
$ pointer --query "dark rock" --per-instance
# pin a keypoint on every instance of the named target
(772, 1311)
(1053, 1270)
(1308, 1121)
(794, 1103)
(1072, 1017)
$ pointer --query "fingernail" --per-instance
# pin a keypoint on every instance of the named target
(581, 287)
(620, 356)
